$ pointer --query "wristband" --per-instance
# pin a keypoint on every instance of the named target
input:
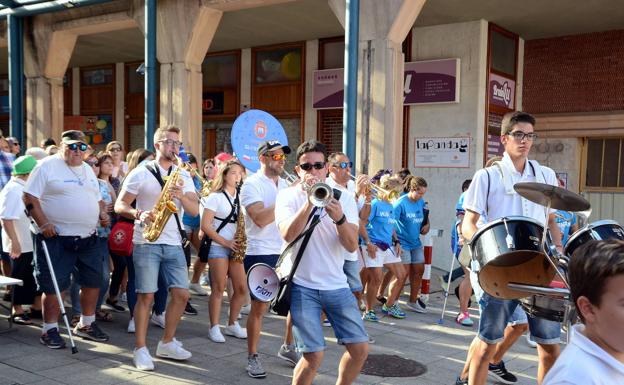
(137, 214)
(44, 225)
(342, 220)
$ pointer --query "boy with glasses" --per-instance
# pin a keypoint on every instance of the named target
(63, 197)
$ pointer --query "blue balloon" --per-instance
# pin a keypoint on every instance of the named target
(249, 130)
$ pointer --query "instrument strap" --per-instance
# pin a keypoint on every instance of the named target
(155, 170)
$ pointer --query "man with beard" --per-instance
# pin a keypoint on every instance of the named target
(164, 255)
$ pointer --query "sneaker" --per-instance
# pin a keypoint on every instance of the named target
(215, 334)
(114, 306)
(52, 339)
(246, 309)
(459, 381)
(529, 341)
(91, 332)
(189, 309)
(500, 373)
(254, 367)
(131, 327)
(419, 306)
(443, 283)
(196, 289)
(158, 320)
(288, 353)
(204, 280)
(123, 297)
(142, 359)
(393, 311)
(464, 319)
(235, 330)
(370, 316)
(371, 340)
(172, 350)
(326, 323)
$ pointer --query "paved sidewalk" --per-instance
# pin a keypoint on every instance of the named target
(441, 348)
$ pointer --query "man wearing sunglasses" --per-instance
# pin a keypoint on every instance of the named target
(63, 197)
(319, 281)
(491, 193)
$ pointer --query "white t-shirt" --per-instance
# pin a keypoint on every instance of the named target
(321, 263)
(221, 206)
(69, 196)
(584, 362)
(350, 190)
(260, 188)
(142, 183)
(12, 208)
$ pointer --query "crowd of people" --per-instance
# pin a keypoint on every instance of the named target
(361, 247)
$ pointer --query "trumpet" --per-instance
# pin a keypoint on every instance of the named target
(319, 194)
(377, 192)
(291, 178)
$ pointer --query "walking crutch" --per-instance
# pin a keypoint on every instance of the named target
(446, 292)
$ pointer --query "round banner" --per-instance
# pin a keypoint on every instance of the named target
(249, 130)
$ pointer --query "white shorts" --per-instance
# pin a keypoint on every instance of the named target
(381, 257)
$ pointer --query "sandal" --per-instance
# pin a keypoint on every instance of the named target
(21, 319)
(74, 320)
(103, 315)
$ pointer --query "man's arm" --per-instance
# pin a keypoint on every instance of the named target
(260, 215)
(123, 207)
(33, 206)
(469, 224)
(291, 228)
(555, 233)
(347, 232)
(9, 227)
(190, 203)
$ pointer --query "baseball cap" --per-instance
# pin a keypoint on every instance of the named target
(73, 136)
(24, 164)
(270, 145)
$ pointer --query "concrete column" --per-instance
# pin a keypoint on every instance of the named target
(75, 91)
(311, 114)
(44, 109)
(383, 27)
(120, 103)
(245, 80)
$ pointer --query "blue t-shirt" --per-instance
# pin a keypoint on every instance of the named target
(459, 209)
(187, 219)
(381, 222)
(409, 217)
(106, 197)
(565, 220)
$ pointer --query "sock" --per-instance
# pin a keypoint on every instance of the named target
(48, 326)
(86, 320)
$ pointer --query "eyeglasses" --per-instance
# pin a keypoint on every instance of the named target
(115, 149)
(171, 142)
(77, 146)
(309, 166)
(519, 135)
(276, 157)
(92, 163)
(343, 165)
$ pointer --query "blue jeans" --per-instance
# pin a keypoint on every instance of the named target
(160, 297)
(341, 309)
(153, 260)
(352, 271)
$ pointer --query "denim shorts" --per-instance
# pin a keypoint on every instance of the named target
(150, 259)
(189, 229)
(518, 317)
(352, 271)
(67, 253)
(341, 309)
(416, 255)
(217, 251)
(252, 259)
(496, 312)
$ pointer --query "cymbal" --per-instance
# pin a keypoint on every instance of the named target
(559, 198)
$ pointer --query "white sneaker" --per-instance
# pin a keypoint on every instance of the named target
(215, 334)
(529, 341)
(204, 280)
(131, 327)
(246, 309)
(142, 359)
(196, 289)
(235, 330)
(172, 350)
(158, 320)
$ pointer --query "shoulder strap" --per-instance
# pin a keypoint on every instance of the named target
(313, 220)
(533, 169)
(487, 195)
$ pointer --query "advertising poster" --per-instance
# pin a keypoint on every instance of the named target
(442, 152)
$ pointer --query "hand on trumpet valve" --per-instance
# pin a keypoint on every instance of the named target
(361, 185)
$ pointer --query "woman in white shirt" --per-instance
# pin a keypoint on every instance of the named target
(220, 213)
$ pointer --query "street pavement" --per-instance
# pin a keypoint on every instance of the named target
(420, 337)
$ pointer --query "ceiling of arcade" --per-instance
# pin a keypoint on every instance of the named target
(310, 19)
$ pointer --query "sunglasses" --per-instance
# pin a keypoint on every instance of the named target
(309, 166)
(115, 149)
(343, 165)
(77, 146)
(276, 157)
(92, 163)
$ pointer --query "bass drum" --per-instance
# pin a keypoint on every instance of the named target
(599, 230)
(509, 250)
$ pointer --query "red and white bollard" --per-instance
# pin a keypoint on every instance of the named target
(425, 286)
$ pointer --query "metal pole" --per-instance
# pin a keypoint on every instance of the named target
(150, 72)
(352, 29)
(16, 78)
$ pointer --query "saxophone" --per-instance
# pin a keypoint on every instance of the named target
(163, 209)
(239, 236)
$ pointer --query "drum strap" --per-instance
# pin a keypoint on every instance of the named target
(487, 172)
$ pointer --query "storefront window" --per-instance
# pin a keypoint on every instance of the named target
(503, 53)
(604, 163)
(220, 71)
(278, 65)
(97, 77)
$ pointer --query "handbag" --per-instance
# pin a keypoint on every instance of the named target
(120, 238)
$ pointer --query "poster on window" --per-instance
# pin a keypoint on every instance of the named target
(98, 129)
(442, 152)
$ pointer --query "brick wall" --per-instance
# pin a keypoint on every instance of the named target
(331, 129)
(581, 73)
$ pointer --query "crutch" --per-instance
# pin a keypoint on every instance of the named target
(44, 246)
(446, 292)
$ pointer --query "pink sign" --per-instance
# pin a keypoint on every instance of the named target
(328, 89)
(431, 81)
(502, 91)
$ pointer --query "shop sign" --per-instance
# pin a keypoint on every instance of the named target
(442, 152)
(431, 81)
(328, 91)
(212, 103)
(502, 91)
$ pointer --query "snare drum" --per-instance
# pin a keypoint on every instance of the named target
(550, 308)
(599, 230)
(509, 250)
